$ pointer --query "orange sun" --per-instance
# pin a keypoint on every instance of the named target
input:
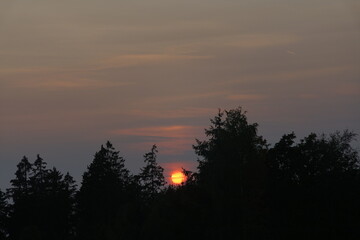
(178, 177)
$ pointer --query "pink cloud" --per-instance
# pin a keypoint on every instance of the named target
(173, 113)
(175, 139)
(237, 97)
(129, 60)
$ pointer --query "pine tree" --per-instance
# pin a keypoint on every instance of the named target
(3, 215)
(23, 204)
(58, 205)
(102, 195)
(42, 202)
(151, 177)
(21, 184)
(39, 174)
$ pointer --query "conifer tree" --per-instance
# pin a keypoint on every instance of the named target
(21, 184)
(3, 215)
(102, 195)
(151, 177)
(42, 202)
(39, 174)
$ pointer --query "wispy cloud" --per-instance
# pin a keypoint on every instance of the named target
(261, 40)
(245, 41)
(81, 84)
(174, 139)
(61, 81)
(173, 113)
(176, 98)
(174, 131)
(130, 60)
(293, 74)
(250, 97)
(27, 70)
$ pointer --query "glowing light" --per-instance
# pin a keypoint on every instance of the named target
(178, 177)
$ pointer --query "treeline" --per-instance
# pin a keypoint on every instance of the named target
(243, 189)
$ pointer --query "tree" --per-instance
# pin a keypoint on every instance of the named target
(231, 168)
(314, 184)
(233, 143)
(314, 158)
(20, 196)
(39, 174)
(3, 215)
(42, 202)
(58, 205)
(103, 195)
(151, 177)
(21, 184)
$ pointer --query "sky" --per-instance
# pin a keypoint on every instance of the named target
(76, 73)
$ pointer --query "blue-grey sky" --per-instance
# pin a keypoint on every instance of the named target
(75, 73)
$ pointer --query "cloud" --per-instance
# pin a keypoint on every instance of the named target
(261, 40)
(293, 74)
(27, 70)
(176, 113)
(81, 84)
(245, 41)
(60, 81)
(291, 52)
(166, 99)
(174, 139)
(130, 60)
(174, 131)
(250, 97)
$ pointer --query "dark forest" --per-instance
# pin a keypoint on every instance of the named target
(243, 188)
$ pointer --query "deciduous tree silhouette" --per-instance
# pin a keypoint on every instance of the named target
(315, 187)
(231, 168)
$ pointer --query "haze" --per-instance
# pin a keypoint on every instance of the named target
(74, 74)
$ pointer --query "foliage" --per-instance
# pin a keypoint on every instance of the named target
(42, 202)
(243, 189)
(315, 184)
(151, 177)
(228, 160)
(3, 215)
(103, 196)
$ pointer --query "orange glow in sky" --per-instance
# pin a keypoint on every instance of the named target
(178, 177)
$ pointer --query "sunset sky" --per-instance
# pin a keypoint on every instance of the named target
(75, 73)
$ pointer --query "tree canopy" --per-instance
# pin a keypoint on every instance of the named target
(243, 188)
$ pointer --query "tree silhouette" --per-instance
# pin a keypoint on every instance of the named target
(151, 177)
(42, 202)
(21, 183)
(3, 215)
(315, 186)
(39, 174)
(59, 204)
(243, 189)
(229, 167)
(103, 195)
(20, 195)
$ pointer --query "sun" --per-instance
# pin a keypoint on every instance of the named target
(178, 177)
